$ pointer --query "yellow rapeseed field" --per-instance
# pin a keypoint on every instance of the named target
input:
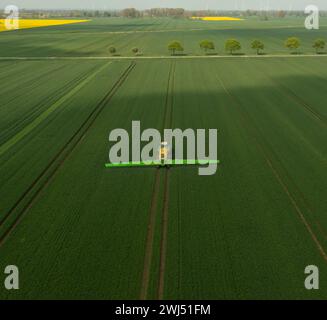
(31, 23)
(217, 18)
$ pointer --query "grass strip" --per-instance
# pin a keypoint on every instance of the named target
(20, 135)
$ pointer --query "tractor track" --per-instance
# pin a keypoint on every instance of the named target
(166, 57)
(150, 237)
(154, 203)
(62, 91)
(163, 243)
(299, 101)
(28, 198)
(252, 129)
(291, 95)
(165, 211)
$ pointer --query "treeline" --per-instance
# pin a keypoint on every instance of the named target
(165, 12)
(159, 12)
(276, 13)
(232, 46)
(47, 14)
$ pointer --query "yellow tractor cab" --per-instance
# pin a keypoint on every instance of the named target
(164, 153)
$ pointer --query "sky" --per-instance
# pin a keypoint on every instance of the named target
(146, 4)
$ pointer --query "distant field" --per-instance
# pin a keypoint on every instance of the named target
(216, 18)
(37, 23)
(78, 230)
(152, 36)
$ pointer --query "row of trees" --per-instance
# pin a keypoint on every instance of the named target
(155, 12)
(233, 45)
(158, 12)
(180, 12)
(113, 51)
(165, 12)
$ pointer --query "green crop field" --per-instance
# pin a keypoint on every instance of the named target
(152, 35)
(79, 230)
